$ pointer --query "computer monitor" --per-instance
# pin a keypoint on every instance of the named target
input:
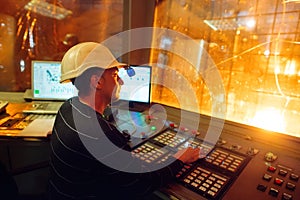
(136, 88)
(45, 81)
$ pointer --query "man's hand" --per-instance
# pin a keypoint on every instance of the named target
(188, 155)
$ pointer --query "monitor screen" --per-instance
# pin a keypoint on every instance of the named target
(45, 81)
(136, 88)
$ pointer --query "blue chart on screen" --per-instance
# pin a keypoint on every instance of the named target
(45, 81)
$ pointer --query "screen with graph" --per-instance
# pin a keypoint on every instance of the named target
(45, 81)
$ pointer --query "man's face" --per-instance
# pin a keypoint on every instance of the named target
(112, 83)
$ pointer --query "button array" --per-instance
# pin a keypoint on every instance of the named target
(225, 160)
(183, 171)
(170, 138)
(205, 182)
(149, 152)
(286, 183)
(196, 143)
(210, 176)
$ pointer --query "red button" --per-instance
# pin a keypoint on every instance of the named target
(278, 181)
(172, 125)
(195, 132)
(150, 117)
(271, 169)
(184, 129)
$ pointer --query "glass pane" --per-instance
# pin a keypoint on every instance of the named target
(45, 30)
(265, 7)
(254, 46)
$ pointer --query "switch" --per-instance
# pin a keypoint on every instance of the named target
(278, 181)
(247, 137)
(282, 172)
(267, 177)
(184, 129)
(290, 186)
(271, 169)
(195, 132)
(294, 177)
(273, 192)
(270, 157)
(153, 128)
(172, 125)
(261, 187)
(148, 119)
(286, 196)
(235, 147)
(252, 151)
(221, 141)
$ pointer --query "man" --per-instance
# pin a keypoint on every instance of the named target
(90, 158)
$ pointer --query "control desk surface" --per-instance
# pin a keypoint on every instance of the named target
(245, 163)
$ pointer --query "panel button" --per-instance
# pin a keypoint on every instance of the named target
(282, 172)
(270, 157)
(273, 192)
(153, 128)
(183, 129)
(172, 125)
(278, 181)
(267, 177)
(286, 196)
(195, 132)
(221, 142)
(294, 177)
(235, 147)
(290, 186)
(271, 169)
(261, 187)
(252, 151)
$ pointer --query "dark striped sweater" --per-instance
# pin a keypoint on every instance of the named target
(90, 159)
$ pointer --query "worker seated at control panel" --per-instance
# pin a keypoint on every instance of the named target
(90, 157)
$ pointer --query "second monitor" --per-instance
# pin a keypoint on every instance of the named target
(137, 88)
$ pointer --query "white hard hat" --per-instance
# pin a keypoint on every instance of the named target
(84, 56)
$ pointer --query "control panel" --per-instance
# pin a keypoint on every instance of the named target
(237, 167)
(209, 177)
(245, 163)
(212, 176)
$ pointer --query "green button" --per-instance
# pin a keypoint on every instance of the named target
(153, 128)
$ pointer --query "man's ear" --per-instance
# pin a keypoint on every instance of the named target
(96, 82)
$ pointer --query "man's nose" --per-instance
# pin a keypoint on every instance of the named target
(121, 82)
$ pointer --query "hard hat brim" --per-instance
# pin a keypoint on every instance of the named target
(66, 77)
(86, 55)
